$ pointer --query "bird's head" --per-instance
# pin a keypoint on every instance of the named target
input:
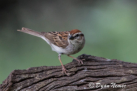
(76, 36)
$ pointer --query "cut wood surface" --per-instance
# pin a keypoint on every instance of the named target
(96, 74)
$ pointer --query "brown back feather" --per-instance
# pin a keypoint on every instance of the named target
(57, 38)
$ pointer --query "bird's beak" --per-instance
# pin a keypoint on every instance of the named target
(71, 37)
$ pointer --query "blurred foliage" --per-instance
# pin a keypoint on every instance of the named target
(109, 27)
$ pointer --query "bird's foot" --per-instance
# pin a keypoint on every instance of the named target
(64, 71)
(79, 61)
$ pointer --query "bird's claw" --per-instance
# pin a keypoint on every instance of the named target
(79, 61)
(64, 70)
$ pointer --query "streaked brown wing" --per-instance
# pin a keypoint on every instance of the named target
(57, 38)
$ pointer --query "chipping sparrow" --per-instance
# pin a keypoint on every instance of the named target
(67, 42)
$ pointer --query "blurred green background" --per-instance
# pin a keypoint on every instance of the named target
(110, 28)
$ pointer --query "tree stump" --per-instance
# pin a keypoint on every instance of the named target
(96, 74)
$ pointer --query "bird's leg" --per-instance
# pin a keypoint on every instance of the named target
(80, 61)
(63, 68)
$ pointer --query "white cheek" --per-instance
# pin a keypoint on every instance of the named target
(80, 40)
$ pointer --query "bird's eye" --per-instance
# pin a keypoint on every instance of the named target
(77, 35)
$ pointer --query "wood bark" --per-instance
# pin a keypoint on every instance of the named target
(90, 76)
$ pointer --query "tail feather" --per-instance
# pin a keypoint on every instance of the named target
(31, 32)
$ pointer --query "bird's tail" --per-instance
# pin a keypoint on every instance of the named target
(31, 32)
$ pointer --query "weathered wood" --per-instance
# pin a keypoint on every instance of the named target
(94, 70)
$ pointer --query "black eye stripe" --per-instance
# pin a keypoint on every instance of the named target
(76, 35)
(82, 34)
(79, 35)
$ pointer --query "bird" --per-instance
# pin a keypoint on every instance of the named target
(65, 42)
